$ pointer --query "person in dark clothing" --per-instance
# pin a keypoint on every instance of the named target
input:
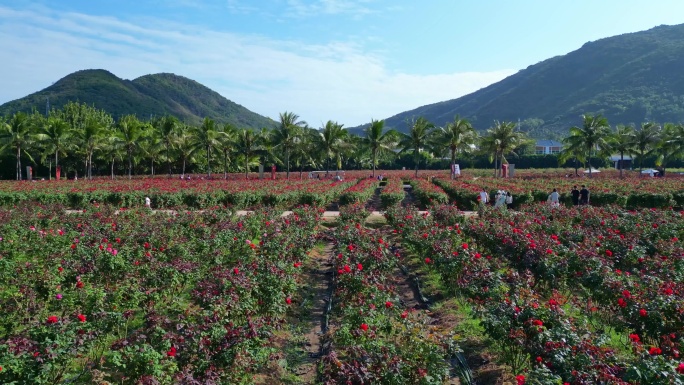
(584, 195)
(575, 195)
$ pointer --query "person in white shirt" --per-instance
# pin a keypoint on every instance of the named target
(484, 196)
(148, 202)
(553, 199)
(509, 200)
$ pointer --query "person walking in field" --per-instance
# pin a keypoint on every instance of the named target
(553, 199)
(575, 196)
(509, 200)
(584, 195)
(148, 202)
(500, 199)
(484, 196)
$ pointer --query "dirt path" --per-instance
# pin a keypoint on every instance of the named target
(375, 204)
(317, 278)
(408, 288)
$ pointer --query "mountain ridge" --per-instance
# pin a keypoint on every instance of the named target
(145, 96)
(629, 78)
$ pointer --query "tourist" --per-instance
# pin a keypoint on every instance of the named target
(553, 198)
(500, 199)
(148, 202)
(484, 196)
(575, 195)
(509, 200)
(584, 195)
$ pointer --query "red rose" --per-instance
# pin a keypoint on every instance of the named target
(363, 327)
(52, 319)
(171, 352)
(81, 318)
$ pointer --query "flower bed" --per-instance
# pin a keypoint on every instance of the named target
(173, 193)
(375, 339)
(361, 192)
(428, 193)
(628, 193)
(577, 297)
(392, 193)
(145, 298)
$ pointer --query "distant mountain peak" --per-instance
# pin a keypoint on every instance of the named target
(629, 78)
(148, 95)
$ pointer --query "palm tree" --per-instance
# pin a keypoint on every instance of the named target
(333, 140)
(130, 133)
(645, 141)
(502, 139)
(207, 138)
(417, 139)
(308, 149)
(574, 153)
(622, 141)
(151, 146)
(227, 137)
(248, 143)
(287, 135)
(55, 136)
(90, 138)
(671, 145)
(165, 129)
(378, 141)
(184, 142)
(267, 155)
(112, 150)
(592, 137)
(17, 134)
(458, 137)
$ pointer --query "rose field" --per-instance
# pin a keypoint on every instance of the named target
(359, 281)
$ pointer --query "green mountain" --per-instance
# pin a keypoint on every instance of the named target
(149, 95)
(630, 79)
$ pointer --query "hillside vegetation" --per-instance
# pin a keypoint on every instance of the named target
(629, 79)
(147, 96)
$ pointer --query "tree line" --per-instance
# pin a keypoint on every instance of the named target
(81, 139)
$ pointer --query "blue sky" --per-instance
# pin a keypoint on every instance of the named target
(343, 60)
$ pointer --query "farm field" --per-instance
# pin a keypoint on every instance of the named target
(111, 292)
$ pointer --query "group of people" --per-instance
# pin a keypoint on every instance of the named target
(501, 199)
(579, 197)
(505, 199)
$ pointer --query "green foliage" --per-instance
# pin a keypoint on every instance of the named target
(628, 78)
(149, 95)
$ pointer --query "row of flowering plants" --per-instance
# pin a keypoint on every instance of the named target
(428, 193)
(360, 192)
(142, 298)
(549, 285)
(627, 193)
(392, 193)
(174, 193)
(373, 338)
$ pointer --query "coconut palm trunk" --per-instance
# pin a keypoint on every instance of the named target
(19, 176)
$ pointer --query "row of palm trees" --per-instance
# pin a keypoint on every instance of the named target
(595, 138)
(85, 134)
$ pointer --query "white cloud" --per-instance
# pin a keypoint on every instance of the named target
(338, 80)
